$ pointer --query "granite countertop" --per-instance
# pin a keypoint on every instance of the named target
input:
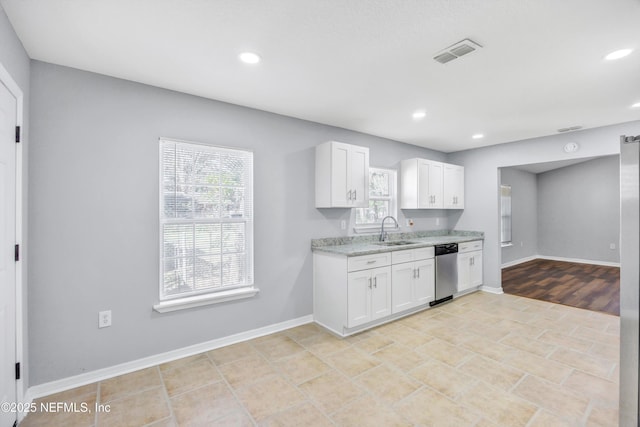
(365, 245)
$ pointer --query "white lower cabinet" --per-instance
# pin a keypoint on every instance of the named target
(413, 284)
(469, 265)
(368, 295)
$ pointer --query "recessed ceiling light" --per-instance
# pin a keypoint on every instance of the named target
(249, 57)
(618, 54)
(636, 105)
(478, 136)
(419, 115)
(571, 147)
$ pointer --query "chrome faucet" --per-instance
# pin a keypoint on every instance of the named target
(383, 234)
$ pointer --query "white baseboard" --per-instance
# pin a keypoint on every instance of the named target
(519, 261)
(580, 261)
(557, 258)
(492, 289)
(57, 386)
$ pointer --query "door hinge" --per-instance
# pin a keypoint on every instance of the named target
(17, 253)
(17, 371)
(17, 134)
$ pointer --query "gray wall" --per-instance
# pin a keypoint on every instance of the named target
(579, 210)
(15, 60)
(482, 179)
(94, 216)
(524, 214)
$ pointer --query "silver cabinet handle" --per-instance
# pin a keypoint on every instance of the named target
(355, 194)
(375, 282)
(349, 195)
(369, 282)
(470, 261)
(371, 261)
(418, 270)
(414, 273)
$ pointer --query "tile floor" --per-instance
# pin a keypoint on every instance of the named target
(482, 360)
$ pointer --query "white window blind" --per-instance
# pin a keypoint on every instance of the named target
(382, 198)
(505, 214)
(206, 219)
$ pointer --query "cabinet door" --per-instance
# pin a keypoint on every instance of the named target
(340, 170)
(424, 283)
(424, 192)
(453, 187)
(358, 298)
(402, 286)
(464, 271)
(435, 184)
(359, 176)
(381, 293)
(476, 268)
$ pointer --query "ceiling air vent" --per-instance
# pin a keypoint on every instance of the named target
(570, 129)
(457, 50)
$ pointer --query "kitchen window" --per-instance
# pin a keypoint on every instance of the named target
(505, 215)
(382, 199)
(206, 225)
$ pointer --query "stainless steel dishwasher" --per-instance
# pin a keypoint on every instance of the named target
(446, 272)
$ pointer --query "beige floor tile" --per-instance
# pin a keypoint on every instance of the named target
(593, 387)
(407, 336)
(303, 415)
(234, 419)
(301, 367)
(590, 364)
(368, 412)
(128, 384)
(547, 369)
(137, 410)
(551, 397)
(232, 353)
(323, 344)
(488, 348)
(352, 362)
(527, 344)
(278, 347)
(167, 422)
(451, 335)
(518, 328)
(373, 343)
(565, 341)
(597, 336)
(182, 362)
(609, 352)
(331, 391)
(268, 397)
(554, 325)
(487, 331)
(205, 405)
(613, 328)
(584, 318)
(445, 352)
(443, 378)
(547, 419)
(246, 371)
(189, 377)
(387, 384)
(303, 331)
(426, 407)
(400, 356)
(603, 417)
(80, 411)
(360, 336)
(445, 317)
(498, 375)
(498, 406)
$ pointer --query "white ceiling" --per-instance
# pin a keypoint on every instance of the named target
(364, 65)
(549, 166)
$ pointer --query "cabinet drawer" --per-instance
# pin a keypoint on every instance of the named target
(355, 263)
(398, 257)
(476, 245)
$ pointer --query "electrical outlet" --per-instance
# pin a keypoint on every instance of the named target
(104, 319)
(343, 224)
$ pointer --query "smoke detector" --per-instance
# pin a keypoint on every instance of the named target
(457, 50)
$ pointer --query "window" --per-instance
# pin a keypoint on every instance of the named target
(505, 215)
(206, 224)
(382, 198)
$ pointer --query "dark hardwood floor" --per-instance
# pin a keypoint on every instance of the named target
(593, 287)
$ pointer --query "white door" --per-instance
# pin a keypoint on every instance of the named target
(359, 286)
(436, 175)
(464, 271)
(381, 293)
(425, 290)
(7, 263)
(425, 198)
(476, 269)
(453, 187)
(402, 281)
(339, 175)
(360, 176)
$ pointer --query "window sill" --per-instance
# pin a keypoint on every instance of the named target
(506, 245)
(200, 300)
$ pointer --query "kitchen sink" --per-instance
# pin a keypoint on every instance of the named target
(396, 243)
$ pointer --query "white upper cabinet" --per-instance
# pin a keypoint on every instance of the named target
(453, 186)
(342, 175)
(427, 184)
